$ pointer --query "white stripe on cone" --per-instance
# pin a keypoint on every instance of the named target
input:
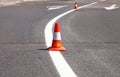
(57, 36)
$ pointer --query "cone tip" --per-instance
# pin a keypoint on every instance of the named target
(57, 27)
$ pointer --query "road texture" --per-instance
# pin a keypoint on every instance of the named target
(90, 35)
(22, 44)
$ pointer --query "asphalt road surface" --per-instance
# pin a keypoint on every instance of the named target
(90, 35)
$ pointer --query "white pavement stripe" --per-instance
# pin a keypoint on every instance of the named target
(87, 5)
(61, 65)
(114, 6)
(55, 7)
(102, 0)
(48, 28)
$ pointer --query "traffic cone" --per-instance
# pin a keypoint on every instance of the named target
(56, 43)
(76, 6)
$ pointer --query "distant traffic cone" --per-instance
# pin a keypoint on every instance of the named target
(56, 43)
(76, 5)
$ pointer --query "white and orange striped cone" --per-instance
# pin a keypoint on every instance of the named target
(76, 5)
(56, 43)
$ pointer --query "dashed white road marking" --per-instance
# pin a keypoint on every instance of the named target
(61, 65)
(56, 7)
(114, 6)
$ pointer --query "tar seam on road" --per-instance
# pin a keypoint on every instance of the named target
(61, 65)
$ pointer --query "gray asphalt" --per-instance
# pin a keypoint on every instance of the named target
(22, 44)
(90, 35)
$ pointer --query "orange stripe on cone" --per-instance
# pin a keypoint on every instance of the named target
(57, 42)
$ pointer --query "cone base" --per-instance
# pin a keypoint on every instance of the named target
(57, 49)
(76, 9)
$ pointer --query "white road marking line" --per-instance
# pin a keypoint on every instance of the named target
(102, 0)
(61, 65)
(28, 0)
(87, 5)
(48, 28)
(55, 7)
(114, 6)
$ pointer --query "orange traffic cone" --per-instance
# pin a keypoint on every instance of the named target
(56, 43)
(76, 6)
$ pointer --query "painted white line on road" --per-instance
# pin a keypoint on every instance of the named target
(102, 0)
(114, 6)
(48, 29)
(28, 0)
(55, 7)
(87, 5)
(61, 65)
